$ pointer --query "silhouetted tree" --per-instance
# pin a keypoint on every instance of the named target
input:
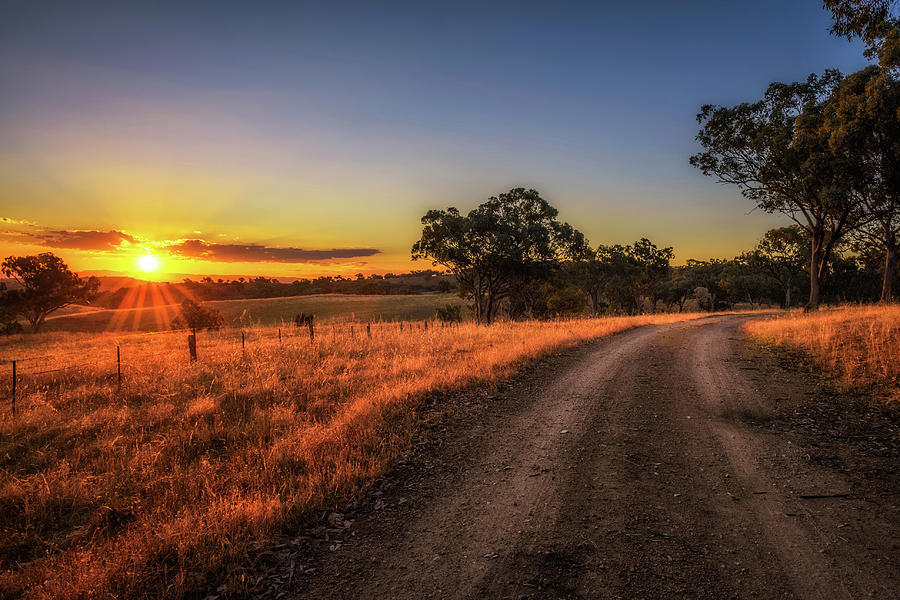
(777, 152)
(565, 300)
(872, 21)
(742, 282)
(46, 285)
(449, 313)
(677, 288)
(619, 289)
(592, 274)
(651, 266)
(705, 274)
(782, 254)
(851, 280)
(506, 242)
(863, 125)
(196, 316)
(9, 312)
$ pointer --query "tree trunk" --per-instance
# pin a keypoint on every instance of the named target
(787, 296)
(815, 270)
(890, 257)
(595, 302)
(489, 308)
(36, 319)
(814, 281)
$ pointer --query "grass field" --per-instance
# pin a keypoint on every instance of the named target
(262, 311)
(861, 344)
(160, 488)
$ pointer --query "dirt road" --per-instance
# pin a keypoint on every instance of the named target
(664, 462)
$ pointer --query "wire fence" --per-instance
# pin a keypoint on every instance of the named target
(130, 353)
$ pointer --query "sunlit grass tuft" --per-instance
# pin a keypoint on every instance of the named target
(861, 344)
(160, 488)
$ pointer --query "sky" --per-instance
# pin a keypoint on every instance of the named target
(299, 139)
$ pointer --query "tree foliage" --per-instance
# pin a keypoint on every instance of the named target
(622, 278)
(782, 254)
(777, 151)
(862, 121)
(498, 248)
(9, 312)
(45, 285)
(872, 21)
(449, 313)
(196, 316)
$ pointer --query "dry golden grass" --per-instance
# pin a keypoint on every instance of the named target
(861, 344)
(161, 488)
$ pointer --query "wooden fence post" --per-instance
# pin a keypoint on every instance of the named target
(426, 324)
(369, 330)
(14, 389)
(192, 346)
(279, 335)
(312, 333)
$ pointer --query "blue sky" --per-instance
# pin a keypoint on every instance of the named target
(336, 125)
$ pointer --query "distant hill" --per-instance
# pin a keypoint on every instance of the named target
(113, 283)
(108, 283)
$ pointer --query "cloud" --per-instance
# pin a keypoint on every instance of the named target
(212, 251)
(97, 240)
(73, 239)
(83, 240)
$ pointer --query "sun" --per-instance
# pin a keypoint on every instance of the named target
(148, 263)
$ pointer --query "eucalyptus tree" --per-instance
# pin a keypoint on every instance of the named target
(651, 265)
(862, 120)
(781, 254)
(9, 311)
(44, 285)
(742, 281)
(705, 275)
(777, 152)
(590, 275)
(604, 275)
(678, 288)
(505, 243)
(874, 22)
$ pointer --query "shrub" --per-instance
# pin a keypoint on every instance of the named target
(197, 316)
(451, 313)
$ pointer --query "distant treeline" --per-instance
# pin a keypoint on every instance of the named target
(514, 259)
(414, 282)
(639, 278)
